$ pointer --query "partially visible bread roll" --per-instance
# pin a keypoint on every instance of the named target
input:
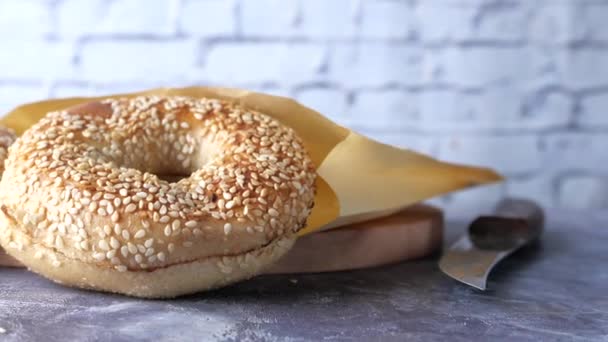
(7, 137)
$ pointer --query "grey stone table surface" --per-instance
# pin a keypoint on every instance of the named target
(555, 290)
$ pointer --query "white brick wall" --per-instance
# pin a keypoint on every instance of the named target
(386, 19)
(34, 19)
(595, 189)
(245, 63)
(133, 60)
(518, 85)
(76, 17)
(269, 18)
(31, 59)
(594, 111)
(509, 154)
(374, 64)
(214, 18)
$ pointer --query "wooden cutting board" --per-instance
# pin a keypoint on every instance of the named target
(410, 234)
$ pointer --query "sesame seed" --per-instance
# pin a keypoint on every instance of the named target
(99, 256)
(149, 243)
(131, 208)
(140, 234)
(191, 224)
(59, 242)
(132, 248)
(114, 243)
(227, 228)
(167, 230)
(161, 256)
(103, 244)
(124, 251)
(121, 268)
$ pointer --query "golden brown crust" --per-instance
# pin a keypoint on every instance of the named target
(167, 282)
(84, 184)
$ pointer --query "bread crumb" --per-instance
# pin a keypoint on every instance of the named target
(293, 281)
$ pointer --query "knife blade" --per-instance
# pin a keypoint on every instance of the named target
(490, 239)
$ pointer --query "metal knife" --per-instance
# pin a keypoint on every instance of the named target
(514, 223)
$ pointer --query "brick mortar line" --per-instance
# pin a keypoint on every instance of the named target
(235, 37)
(542, 133)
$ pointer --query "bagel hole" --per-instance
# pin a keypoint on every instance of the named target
(172, 178)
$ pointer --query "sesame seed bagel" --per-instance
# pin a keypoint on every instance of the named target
(154, 196)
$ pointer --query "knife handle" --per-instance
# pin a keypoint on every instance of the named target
(514, 223)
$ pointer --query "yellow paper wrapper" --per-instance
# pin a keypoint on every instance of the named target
(359, 179)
